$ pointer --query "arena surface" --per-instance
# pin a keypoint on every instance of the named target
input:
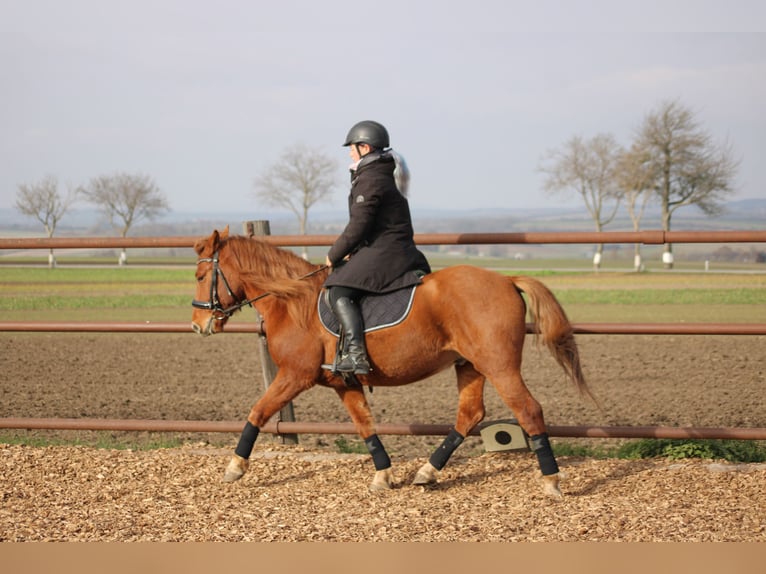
(312, 492)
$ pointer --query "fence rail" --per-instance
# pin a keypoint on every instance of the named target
(413, 429)
(579, 328)
(585, 237)
(285, 428)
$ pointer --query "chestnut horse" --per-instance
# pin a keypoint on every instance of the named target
(466, 317)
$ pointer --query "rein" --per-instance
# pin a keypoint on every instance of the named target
(214, 304)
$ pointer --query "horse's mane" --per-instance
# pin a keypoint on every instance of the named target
(280, 272)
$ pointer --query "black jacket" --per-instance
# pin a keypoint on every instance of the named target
(379, 233)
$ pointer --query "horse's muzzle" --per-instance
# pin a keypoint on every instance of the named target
(206, 331)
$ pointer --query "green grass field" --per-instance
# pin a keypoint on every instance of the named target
(135, 293)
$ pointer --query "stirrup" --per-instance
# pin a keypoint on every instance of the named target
(358, 364)
(349, 379)
(346, 373)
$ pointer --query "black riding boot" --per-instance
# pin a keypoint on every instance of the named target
(354, 356)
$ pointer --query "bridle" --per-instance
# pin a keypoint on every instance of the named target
(213, 304)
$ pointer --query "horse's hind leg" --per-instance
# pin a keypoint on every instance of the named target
(359, 409)
(470, 413)
(529, 413)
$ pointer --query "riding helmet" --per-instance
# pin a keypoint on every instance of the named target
(368, 132)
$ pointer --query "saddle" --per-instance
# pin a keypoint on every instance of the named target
(379, 311)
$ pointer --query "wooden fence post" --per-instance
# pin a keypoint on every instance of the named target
(287, 414)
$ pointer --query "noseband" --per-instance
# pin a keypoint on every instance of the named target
(213, 304)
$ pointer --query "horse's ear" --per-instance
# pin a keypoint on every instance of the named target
(209, 242)
(199, 245)
(225, 233)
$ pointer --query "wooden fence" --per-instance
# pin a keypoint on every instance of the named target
(283, 427)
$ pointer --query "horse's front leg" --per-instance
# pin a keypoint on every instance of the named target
(281, 391)
(356, 404)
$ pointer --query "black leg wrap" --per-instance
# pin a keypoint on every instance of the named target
(542, 448)
(441, 455)
(378, 452)
(247, 440)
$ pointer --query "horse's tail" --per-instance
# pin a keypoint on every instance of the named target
(553, 326)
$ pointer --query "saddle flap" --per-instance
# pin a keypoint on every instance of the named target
(378, 310)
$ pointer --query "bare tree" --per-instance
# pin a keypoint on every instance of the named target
(635, 176)
(300, 178)
(43, 201)
(588, 168)
(690, 168)
(126, 199)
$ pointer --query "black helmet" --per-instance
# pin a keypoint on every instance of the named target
(368, 132)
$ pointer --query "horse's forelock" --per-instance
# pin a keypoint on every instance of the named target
(211, 243)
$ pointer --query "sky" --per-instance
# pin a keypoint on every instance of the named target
(204, 96)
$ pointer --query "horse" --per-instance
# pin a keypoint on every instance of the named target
(465, 317)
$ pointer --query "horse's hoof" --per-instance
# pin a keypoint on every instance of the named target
(426, 475)
(383, 480)
(551, 486)
(236, 469)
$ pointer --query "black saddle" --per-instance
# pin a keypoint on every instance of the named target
(378, 310)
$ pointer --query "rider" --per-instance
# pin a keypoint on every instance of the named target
(376, 252)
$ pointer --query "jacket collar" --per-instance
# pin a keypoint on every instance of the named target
(370, 158)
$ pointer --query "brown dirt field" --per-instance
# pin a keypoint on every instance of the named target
(312, 493)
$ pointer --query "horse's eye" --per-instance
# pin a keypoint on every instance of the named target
(200, 278)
